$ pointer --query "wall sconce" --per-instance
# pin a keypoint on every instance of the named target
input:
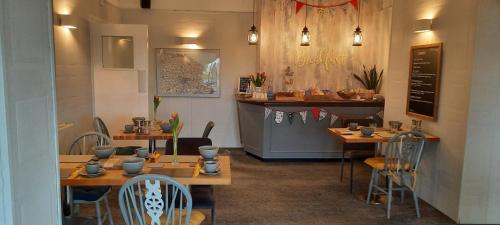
(423, 25)
(189, 42)
(68, 21)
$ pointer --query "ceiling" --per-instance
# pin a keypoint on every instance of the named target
(190, 5)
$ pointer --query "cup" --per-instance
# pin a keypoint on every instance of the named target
(129, 128)
(416, 125)
(373, 125)
(211, 166)
(395, 126)
(92, 167)
(142, 152)
(353, 126)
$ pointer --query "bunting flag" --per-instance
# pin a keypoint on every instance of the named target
(299, 5)
(381, 114)
(267, 112)
(315, 112)
(279, 117)
(333, 119)
(290, 117)
(303, 115)
(322, 114)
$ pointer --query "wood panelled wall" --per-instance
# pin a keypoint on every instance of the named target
(331, 59)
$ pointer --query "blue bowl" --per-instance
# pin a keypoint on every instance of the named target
(166, 127)
(104, 152)
(133, 165)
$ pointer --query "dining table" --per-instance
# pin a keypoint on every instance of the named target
(152, 136)
(380, 136)
(187, 171)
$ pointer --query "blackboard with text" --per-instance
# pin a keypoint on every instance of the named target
(423, 84)
(244, 85)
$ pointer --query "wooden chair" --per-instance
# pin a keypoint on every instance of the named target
(355, 151)
(399, 165)
(91, 195)
(203, 195)
(101, 127)
(157, 200)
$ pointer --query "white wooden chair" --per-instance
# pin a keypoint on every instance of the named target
(399, 165)
(157, 200)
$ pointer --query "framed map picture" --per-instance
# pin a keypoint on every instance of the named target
(188, 72)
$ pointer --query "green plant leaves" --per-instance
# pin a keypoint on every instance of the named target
(371, 80)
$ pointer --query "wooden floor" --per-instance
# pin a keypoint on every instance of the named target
(298, 193)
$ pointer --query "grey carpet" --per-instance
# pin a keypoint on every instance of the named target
(299, 193)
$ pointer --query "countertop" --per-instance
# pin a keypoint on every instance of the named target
(312, 103)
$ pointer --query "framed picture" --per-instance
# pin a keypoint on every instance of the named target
(424, 81)
(188, 72)
(244, 85)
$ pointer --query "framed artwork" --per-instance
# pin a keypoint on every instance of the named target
(187, 72)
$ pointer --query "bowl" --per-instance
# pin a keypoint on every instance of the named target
(367, 131)
(104, 152)
(142, 152)
(166, 127)
(208, 151)
(133, 165)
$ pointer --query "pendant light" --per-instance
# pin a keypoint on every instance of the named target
(358, 38)
(305, 39)
(253, 34)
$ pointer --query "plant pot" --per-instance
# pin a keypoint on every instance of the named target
(258, 89)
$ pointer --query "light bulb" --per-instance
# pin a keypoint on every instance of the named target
(358, 38)
(306, 37)
(253, 36)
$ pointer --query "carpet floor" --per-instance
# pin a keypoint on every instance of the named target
(298, 193)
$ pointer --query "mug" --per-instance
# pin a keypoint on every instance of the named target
(92, 167)
(353, 126)
(211, 166)
(142, 152)
(129, 128)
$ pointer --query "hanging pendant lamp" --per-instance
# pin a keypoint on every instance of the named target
(358, 38)
(305, 39)
(253, 34)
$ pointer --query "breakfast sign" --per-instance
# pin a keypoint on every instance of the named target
(423, 83)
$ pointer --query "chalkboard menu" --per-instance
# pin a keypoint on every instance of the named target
(423, 84)
(244, 85)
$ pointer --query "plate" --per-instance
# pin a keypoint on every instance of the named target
(202, 171)
(367, 136)
(100, 173)
(128, 132)
(132, 174)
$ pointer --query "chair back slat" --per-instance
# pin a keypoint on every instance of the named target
(402, 156)
(154, 197)
(84, 143)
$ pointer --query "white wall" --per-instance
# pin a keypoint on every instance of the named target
(480, 195)
(191, 5)
(224, 31)
(440, 176)
(73, 66)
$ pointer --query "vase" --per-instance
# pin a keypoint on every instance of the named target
(174, 152)
(258, 89)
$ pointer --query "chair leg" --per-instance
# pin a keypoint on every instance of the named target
(342, 168)
(108, 211)
(402, 194)
(351, 162)
(213, 215)
(370, 188)
(98, 213)
(389, 199)
(417, 208)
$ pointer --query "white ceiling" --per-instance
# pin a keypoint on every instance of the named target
(190, 5)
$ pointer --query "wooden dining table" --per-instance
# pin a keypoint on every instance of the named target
(151, 137)
(71, 167)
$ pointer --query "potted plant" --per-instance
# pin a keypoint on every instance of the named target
(258, 80)
(371, 80)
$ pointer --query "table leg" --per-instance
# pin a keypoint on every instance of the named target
(150, 146)
(69, 200)
(377, 197)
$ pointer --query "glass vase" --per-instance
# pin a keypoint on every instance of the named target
(174, 152)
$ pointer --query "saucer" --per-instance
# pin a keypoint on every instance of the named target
(212, 159)
(100, 173)
(202, 171)
(132, 174)
(367, 136)
(128, 132)
(357, 129)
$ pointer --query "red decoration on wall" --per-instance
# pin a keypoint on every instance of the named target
(299, 5)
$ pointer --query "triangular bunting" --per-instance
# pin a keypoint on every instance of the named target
(267, 112)
(354, 4)
(322, 114)
(298, 6)
(303, 116)
(279, 117)
(290, 117)
(381, 114)
(315, 112)
(333, 119)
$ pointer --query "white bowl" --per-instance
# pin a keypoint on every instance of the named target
(133, 165)
(104, 152)
(208, 151)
